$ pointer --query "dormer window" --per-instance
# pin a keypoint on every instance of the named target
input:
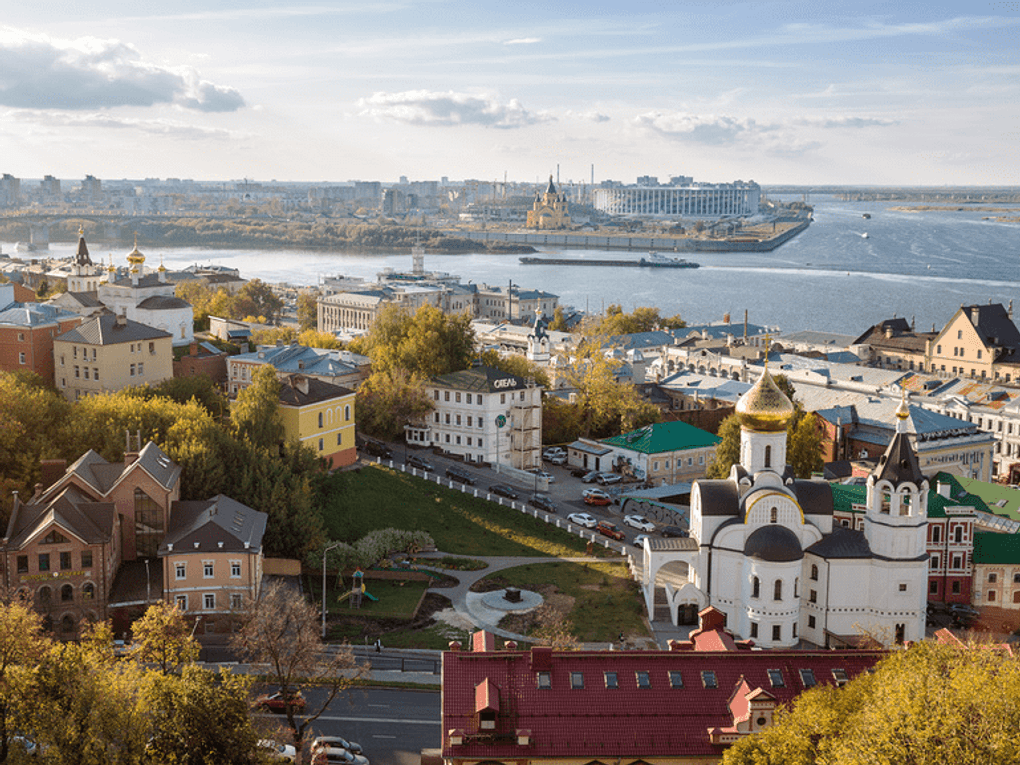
(543, 680)
(577, 680)
(708, 679)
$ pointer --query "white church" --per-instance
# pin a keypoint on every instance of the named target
(763, 548)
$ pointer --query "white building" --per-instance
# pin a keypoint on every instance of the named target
(764, 550)
(486, 415)
(701, 200)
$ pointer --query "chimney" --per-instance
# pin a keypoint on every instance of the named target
(193, 348)
(120, 320)
(943, 489)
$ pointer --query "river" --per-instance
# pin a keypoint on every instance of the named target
(830, 278)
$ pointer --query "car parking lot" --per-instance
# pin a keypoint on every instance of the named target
(563, 496)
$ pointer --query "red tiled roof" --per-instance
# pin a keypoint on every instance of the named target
(630, 721)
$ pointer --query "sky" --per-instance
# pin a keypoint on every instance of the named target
(862, 92)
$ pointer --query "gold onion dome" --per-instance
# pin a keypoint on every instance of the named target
(765, 407)
(135, 257)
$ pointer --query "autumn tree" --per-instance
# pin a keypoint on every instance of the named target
(559, 320)
(22, 647)
(390, 399)
(804, 451)
(163, 637)
(727, 452)
(257, 299)
(930, 703)
(428, 343)
(254, 414)
(308, 310)
(281, 631)
(643, 319)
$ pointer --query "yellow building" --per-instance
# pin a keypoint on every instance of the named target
(551, 209)
(319, 415)
(107, 353)
(980, 341)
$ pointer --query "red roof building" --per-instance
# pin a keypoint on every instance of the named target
(686, 704)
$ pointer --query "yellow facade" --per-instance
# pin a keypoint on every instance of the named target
(959, 349)
(550, 210)
(87, 369)
(327, 427)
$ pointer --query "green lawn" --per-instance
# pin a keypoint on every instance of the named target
(396, 598)
(378, 497)
(606, 600)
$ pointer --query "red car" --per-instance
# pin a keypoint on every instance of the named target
(609, 530)
(595, 497)
(277, 702)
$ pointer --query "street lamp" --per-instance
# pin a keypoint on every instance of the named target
(324, 552)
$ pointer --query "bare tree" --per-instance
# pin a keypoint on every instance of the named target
(281, 632)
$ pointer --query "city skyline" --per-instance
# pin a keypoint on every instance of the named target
(781, 93)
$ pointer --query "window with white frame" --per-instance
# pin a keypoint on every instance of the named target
(181, 601)
(180, 570)
(235, 569)
(207, 569)
(235, 601)
(208, 600)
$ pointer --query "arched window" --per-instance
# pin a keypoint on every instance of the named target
(768, 455)
(347, 413)
(66, 593)
(796, 587)
(45, 595)
(958, 534)
(88, 591)
(320, 419)
(904, 499)
(814, 573)
(67, 624)
(777, 590)
(755, 588)
(886, 502)
(774, 515)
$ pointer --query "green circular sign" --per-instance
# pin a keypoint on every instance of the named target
(500, 420)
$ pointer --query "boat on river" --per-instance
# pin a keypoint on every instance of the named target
(659, 261)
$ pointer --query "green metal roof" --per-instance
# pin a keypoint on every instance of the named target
(996, 549)
(664, 437)
(989, 496)
(844, 497)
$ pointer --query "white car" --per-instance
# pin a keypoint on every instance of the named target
(277, 751)
(639, 522)
(325, 755)
(608, 478)
(337, 742)
(552, 452)
(582, 519)
(542, 474)
(558, 459)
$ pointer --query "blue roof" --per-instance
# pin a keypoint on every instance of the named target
(34, 314)
(719, 331)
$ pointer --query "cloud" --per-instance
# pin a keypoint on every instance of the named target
(706, 129)
(851, 122)
(591, 116)
(447, 109)
(168, 128)
(41, 72)
(523, 41)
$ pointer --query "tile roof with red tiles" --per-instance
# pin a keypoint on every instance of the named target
(597, 704)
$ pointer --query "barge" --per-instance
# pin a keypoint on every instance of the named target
(658, 262)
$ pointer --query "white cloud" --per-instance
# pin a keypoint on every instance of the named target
(447, 109)
(523, 41)
(849, 122)
(103, 120)
(41, 72)
(591, 116)
(699, 128)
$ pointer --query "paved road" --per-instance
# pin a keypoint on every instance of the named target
(392, 725)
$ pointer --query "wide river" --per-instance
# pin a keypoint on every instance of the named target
(829, 278)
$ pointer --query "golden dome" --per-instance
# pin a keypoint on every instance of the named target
(765, 407)
(135, 257)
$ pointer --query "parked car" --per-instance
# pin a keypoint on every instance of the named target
(418, 462)
(595, 497)
(963, 612)
(503, 490)
(578, 472)
(590, 477)
(611, 530)
(277, 702)
(377, 449)
(334, 754)
(558, 459)
(554, 452)
(639, 540)
(639, 522)
(542, 502)
(607, 478)
(582, 519)
(278, 751)
(336, 741)
(459, 475)
(542, 474)
(673, 531)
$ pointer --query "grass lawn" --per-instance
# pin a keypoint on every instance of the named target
(606, 601)
(379, 498)
(396, 598)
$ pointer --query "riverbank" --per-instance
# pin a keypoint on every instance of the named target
(741, 242)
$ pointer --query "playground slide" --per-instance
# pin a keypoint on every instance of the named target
(371, 597)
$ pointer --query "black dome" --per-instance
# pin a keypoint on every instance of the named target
(773, 543)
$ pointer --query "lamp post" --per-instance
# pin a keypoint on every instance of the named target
(324, 552)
